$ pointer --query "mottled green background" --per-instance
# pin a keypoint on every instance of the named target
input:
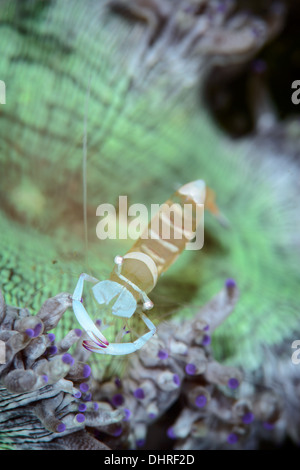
(149, 131)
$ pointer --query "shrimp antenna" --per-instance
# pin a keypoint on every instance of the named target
(84, 166)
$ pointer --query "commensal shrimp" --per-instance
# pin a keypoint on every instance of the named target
(136, 273)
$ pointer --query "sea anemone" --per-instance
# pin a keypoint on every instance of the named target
(149, 131)
(50, 399)
(43, 387)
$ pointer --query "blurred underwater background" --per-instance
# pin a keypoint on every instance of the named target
(170, 92)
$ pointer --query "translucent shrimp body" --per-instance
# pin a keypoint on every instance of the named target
(137, 272)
